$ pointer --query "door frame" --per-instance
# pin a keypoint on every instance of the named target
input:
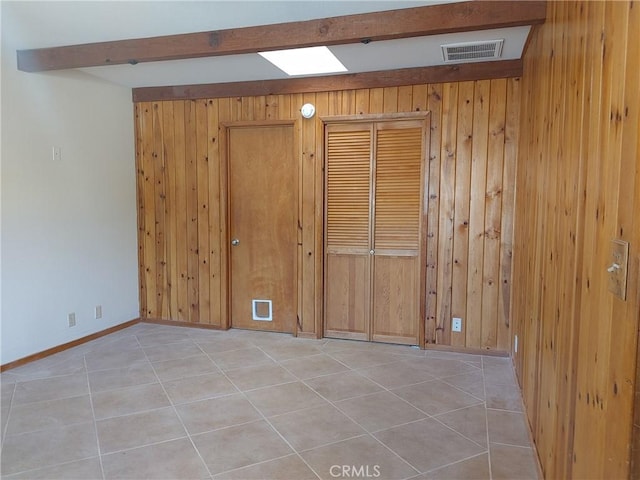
(225, 217)
(425, 116)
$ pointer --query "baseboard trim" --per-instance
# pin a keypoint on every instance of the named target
(472, 351)
(175, 323)
(309, 335)
(66, 346)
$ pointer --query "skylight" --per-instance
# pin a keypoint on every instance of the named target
(305, 61)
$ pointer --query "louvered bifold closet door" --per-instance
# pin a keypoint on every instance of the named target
(398, 178)
(348, 230)
(373, 229)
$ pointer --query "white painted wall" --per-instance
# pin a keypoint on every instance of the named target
(68, 235)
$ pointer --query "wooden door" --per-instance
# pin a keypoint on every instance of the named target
(399, 155)
(373, 230)
(263, 206)
(348, 230)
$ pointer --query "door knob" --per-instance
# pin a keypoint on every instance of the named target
(371, 252)
(235, 242)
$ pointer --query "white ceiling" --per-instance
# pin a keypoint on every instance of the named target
(55, 23)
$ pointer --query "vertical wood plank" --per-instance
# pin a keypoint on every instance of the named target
(575, 185)
(191, 165)
(550, 266)
(259, 108)
(589, 334)
(213, 154)
(307, 219)
(272, 107)
(434, 105)
(181, 212)
(348, 102)
(362, 101)
(611, 334)
(237, 109)
(461, 210)
(493, 214)
(447, 212)
(476, 213)
(335, 103)
(170, 209)
(376, 100)
(419, 98)
(224, 115)
(247, 106)
(322, 109)
(141, 130)
(405, 98)
(508, 204)
(390, 100)
(284, 107)
(202, 178)
(160, 305)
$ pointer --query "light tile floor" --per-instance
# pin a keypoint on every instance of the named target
(161, 402)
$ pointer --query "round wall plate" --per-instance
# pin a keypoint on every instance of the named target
(308, 110)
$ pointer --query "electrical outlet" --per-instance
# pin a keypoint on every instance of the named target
(98, 312)
(456, 324)
(57, 154)
(72, 320)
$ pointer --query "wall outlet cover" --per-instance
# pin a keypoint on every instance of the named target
(456, 325)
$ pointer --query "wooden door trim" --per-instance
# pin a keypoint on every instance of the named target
(374, 117)
(424, 211)
(225, 217)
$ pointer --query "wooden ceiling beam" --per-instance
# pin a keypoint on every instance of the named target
(386, 78)
(403, 23)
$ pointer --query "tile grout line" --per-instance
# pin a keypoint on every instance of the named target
(95, 422)
(459, 433)
(49, 466)
(519, 412)
(266, 419)
(138, 447)
(6, 426)
(455, 463)
(18, 405)
(524, 447)
(256, 464)
(486, 417)
(175, 411)
(367, 432)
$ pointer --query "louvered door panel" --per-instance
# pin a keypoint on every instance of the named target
(348, 188)
(396, 239)
(397, 184)
(347, 266)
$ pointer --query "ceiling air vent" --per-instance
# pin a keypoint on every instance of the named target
(462, 52)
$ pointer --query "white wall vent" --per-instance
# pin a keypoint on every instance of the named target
(463, 52)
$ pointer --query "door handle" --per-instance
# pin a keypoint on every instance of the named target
(371, 252)
(235, 242)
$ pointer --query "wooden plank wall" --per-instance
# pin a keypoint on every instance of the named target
(578, 188)
(474, 136)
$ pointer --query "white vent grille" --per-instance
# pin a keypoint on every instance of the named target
(462, 52)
